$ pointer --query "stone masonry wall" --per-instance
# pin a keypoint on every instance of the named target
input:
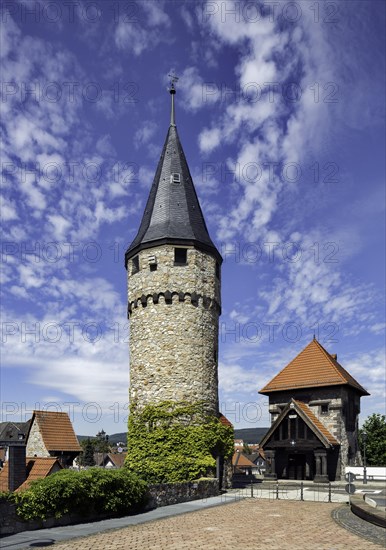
(174, 339)
(161, 494)
(35, 443)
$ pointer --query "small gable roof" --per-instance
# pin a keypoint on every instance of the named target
(10, 431)
(240, 460)
(37, 468)
(223, 419)
(117, 459)
(56, 430)
(306, 414)
(313, 367)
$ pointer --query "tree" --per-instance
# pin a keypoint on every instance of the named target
(87, 457)
(246, 449)
(375, 427)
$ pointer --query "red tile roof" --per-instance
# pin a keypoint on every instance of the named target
(117, 459)
(223, 419)
(313, 367)
(37, 468)
(316, 422)
(308, 417)
(56, 430)
(240, 460)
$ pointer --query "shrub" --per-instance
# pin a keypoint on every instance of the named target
(174, 442)
(111, 492)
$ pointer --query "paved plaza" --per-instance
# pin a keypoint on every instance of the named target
(247, 524)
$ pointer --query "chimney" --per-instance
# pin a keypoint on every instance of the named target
(17, 469)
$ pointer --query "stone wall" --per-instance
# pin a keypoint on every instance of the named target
(174, 314)
(35, 443)
(162, 494)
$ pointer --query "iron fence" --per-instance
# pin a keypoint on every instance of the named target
(316, 492)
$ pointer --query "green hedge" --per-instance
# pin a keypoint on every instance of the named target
(95, 490)
(175, 442)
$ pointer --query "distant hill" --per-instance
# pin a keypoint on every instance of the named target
(113, 438)
(249, 435)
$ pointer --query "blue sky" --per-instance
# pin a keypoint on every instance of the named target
(280, 110)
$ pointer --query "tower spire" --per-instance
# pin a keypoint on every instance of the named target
(172, 91)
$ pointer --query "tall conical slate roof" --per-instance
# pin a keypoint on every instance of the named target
(173, 214)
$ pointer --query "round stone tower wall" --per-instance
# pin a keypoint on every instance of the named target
(174, 312)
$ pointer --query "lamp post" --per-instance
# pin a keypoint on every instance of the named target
(364, 438)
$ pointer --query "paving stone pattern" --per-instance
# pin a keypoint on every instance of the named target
(348, 520)
(247, 524)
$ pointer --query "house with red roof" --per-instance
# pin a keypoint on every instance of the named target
(36, 449)
(314, 404)
(51, 434)
(35, 468)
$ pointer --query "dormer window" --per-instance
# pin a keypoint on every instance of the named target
(324, 408)
(180, 256)
(175, 177)
(135, 265)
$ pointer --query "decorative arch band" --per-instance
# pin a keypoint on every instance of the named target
(195, 299)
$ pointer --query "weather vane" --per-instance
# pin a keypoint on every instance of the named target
(173, 79)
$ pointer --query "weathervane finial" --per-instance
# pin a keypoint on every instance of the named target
(173, 79)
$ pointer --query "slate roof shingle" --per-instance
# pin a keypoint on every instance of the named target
(9, 431)
(173, 213)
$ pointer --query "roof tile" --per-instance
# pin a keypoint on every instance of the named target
(313, 367)
(37, 468)
(57, 431)
(316, 422)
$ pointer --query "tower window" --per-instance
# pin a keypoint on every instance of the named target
(175, 178)
(324, 408)
(180, 256)
(153, 267)
(135, 265)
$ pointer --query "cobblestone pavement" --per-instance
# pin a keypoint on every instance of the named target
(348, 520)
(247, 524)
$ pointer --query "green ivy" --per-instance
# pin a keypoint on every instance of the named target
(175, 441)
(95, 490)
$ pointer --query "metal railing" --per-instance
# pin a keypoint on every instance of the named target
(315, 492)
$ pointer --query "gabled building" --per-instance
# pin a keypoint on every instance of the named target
(12, 433)
(51, 434)
(34, 468)
(314, 404)
(110, 460)
(243, 465)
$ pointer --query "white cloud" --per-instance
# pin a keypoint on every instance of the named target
(144, 133)
(143, 33)
(196, 92)
(60, 226)
(209, 140)
(8, 210)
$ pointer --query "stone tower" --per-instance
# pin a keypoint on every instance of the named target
(174, 298)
